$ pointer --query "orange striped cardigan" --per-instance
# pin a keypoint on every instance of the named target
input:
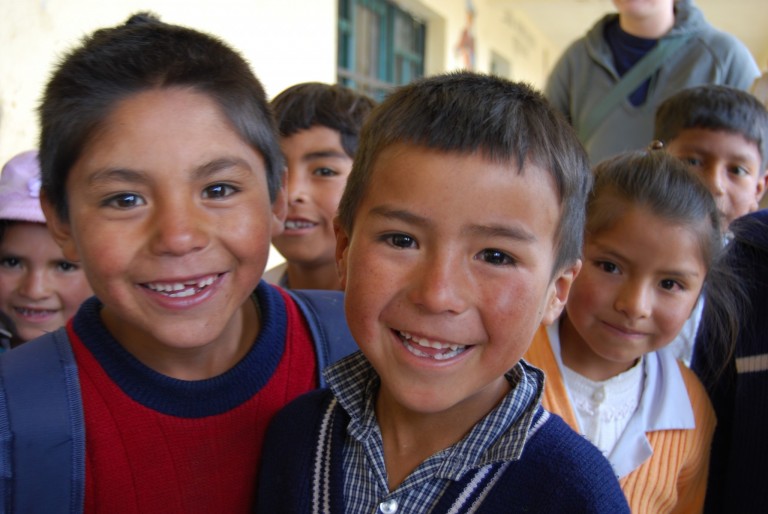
(674, 478)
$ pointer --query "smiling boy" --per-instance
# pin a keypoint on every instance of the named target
(162, 177)
(319, 127)
(457, 235)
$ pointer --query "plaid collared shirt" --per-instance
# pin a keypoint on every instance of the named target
(498, 437)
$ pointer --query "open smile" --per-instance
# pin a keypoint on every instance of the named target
(34, 314)
(181, 289)
(299, 224)
(427, 348)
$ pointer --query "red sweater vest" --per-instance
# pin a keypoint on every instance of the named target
(139, 460)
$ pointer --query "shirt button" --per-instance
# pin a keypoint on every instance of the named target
(388, 507)
(599, 395)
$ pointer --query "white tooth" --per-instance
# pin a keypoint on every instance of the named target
(178, 287)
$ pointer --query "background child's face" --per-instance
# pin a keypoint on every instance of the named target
(318, 168)
(728, 163)
(39, 289)
(447, 275)
(171, 218)
(640, 281)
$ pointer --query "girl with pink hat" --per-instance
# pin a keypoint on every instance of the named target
(39, 289)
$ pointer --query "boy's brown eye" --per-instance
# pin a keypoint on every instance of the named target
(125, 201)
(67, 266)
(218, 191)
(401, 240)
(497, 257)
(325, 172)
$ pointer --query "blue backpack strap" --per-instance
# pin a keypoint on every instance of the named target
(42, 428)
(324, 312)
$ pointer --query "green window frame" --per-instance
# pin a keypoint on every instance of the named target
(380, 46)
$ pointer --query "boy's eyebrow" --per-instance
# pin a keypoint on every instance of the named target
(216, 165)
(505, 231)
(116, 175)
(735, 155)
(137, 176)
(400, 214)
(321, 154)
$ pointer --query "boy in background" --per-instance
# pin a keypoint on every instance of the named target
(722, 133)
(459, 232)
(161, 176)
(319, 126)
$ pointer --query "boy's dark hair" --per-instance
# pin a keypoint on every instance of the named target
(714, 107)
(310, 104)
(465, 113)
(115, 63)
(656, 181)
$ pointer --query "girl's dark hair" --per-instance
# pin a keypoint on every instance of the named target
(746, 256)
(666, 187)
(115, 63)
(311, 104)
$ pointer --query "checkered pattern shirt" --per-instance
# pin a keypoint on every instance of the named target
(497, 438)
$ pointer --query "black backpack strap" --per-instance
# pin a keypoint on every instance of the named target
(324, 312)
(42, 428)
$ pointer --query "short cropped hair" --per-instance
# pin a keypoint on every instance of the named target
(310, 104)
(472, 113)
(144, 53)
(714, 107)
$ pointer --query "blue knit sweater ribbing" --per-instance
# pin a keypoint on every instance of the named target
(559, 471)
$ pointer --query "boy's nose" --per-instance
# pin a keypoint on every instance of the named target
(440, 286)
(634, 300)
(179, 229)
(296, 187)
(714, 177)
(34, 285)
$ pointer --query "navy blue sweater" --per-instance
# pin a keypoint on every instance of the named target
(558, 472)
(740, 393)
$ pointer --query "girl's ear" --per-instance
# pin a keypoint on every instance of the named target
(60, 230)
(558, 292)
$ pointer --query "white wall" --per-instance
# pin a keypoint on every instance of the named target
(34, 34)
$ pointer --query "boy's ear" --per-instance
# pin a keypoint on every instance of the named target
(762, 181)
(279, 212)
(60, 230)
(558, 292)
(342, 245)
